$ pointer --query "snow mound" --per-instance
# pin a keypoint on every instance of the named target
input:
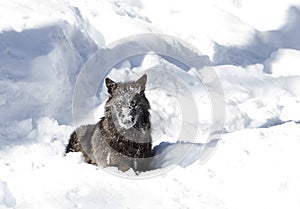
(284, 62)
(6, 198)
(39, 76)
(256, 99)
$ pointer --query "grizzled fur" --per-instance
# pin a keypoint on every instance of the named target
(122, 138)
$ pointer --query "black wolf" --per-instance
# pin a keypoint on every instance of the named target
(122, 138)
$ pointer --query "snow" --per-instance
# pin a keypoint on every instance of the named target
(6, 197)
(254, 48)
(283, 62)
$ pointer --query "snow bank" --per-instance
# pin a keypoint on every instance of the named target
(6, 198)
(258, 169)
(255, 99)
(252, 162)
(284, 62)
(38, 76)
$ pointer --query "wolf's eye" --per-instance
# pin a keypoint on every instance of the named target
(133, 104)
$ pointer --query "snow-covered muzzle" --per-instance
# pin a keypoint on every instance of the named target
(125, 107)
(126, 117)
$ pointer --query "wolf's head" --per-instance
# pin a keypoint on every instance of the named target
(128, 105)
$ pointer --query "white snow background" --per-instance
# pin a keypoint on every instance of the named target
(255, 49)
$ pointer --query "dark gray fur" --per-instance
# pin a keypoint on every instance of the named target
(122, 138)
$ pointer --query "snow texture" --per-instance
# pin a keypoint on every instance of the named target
(254, 48)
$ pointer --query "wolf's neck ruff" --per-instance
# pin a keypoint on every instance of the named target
(130, 121)
(130, 143)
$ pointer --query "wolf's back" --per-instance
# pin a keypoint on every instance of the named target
(80, 141)
(89, 140)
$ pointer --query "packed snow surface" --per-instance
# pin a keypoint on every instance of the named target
(254, 48)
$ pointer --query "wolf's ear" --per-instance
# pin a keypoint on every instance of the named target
(142, 81)
(111, 85)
